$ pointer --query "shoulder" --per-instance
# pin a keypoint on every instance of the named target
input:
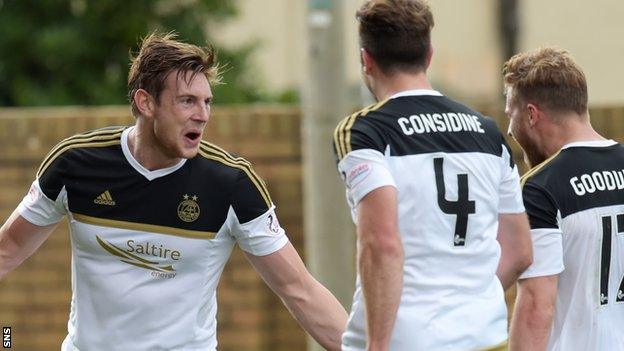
(356, 125)
(98, 138)
(211, 154)
(237, 170)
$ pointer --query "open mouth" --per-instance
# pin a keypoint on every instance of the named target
(193, 136)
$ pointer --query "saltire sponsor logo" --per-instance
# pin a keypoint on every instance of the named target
(128, 257)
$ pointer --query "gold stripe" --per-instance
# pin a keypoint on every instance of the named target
(363, 112)
(242, 162)
(535, 169)
(95, 141)
(500, 347)
(342, 134)
(119, 252)
(193, 234)
(79, 137)
(247, 170)
(343, 131)
(336, 138)
(347, 142)
(158, 269)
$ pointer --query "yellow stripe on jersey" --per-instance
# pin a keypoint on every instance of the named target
(143, 227)
(342, 133)
(90, 139)
(536, 169)
(337, 137)
(240, 161)
(500, 347)
(215, 153)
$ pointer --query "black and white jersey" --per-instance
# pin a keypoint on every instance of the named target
(148, 247)
(454, 175)
(575, 203)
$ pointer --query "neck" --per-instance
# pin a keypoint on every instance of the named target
(568, 129)
(386, 86)
(144, 147)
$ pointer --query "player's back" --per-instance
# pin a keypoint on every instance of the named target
(581, 191)
(450, 166)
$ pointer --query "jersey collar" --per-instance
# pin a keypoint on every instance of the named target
(150, 175)
(592, 143)
(416, 92)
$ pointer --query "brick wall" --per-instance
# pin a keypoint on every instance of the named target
(34, 299)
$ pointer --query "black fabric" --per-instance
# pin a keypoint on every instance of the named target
(381, 128)
(214, 186)
(563, 174)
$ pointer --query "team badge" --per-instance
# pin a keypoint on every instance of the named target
(188, 209)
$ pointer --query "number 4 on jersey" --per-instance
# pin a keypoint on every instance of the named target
(461, 208)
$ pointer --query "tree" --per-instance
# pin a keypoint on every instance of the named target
(76, 52)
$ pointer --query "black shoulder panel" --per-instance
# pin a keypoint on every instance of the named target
(580, 178)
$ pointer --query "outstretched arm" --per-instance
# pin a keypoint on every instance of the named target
(18, 240)
(516, 247)
(380, 263)
(533, 313)
(312, 305)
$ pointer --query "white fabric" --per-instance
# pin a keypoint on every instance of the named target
(580, 322)
(261, 236)
(547, 253)
(510, 199)
(364, 171)
(149, 175)
(108, 294)
(39, 210)
(452, 299)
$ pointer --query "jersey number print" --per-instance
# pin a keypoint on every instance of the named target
(461, 208)
(605, 257)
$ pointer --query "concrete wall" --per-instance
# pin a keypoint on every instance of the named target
(468, 57)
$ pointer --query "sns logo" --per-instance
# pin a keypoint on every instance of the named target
(6, 337)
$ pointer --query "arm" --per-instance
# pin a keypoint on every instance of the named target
(516, 247)
(18, 240)
(380, 263)
(312, 305)
(533, 313)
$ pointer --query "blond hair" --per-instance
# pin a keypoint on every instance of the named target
(548, 77)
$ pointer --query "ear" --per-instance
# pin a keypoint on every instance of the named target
(535, 114)
(368, 62)
(144, 102)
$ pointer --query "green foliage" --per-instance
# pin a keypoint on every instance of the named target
(76, 52)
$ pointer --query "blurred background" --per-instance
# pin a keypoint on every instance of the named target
(292, 74)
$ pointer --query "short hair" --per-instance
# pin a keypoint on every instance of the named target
(396, 33)
(549, 77)
(160, 55)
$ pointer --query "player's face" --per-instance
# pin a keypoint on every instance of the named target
(521, 130)
(181, 115)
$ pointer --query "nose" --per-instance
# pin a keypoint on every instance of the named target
(203, 113)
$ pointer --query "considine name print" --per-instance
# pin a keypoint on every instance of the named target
(440, 122)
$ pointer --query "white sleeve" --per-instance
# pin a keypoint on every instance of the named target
(510, 194)
(261, 236)
(363, 171)
(39, 210)
(547, 253)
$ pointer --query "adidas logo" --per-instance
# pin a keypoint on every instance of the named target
(105, 198)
